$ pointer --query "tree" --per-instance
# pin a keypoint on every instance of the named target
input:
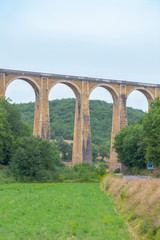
(151, 127)
(33, 158)
(11, 127)
(65, 148)
(6, 137)
(94, 152)
(130, 146)
(14, 119)
(103, 151)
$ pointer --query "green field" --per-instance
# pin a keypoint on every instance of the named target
(58, 211)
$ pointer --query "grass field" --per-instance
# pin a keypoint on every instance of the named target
(58, 211)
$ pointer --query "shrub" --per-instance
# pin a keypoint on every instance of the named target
(101, 170)
(34, 159)
(117, 170)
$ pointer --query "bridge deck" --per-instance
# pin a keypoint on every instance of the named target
(77, 78)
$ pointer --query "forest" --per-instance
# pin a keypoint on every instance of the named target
(62, 118)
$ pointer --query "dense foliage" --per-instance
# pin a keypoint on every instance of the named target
(11, 127)
(151, 126)
(33, 158)
(64, 148)
(140, 143)
(130, 146)
(29, 158)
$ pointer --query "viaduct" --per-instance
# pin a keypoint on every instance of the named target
(82, 87)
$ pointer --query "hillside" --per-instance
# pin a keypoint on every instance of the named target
(62, 118)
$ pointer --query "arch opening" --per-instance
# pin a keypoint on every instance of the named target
(23, 93)
(62, 103)
(101, 111)
(137, 103)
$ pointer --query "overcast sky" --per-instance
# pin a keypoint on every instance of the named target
(117, 39)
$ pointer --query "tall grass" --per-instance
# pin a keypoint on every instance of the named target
(139, 201)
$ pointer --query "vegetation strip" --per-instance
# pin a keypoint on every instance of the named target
(58, 211)
(139, 201)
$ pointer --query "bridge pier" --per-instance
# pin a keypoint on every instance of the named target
(77, 143)
(115, 129)
(119, 121)
(82, 150)
(45, 122)
(37, 115)
(86, 144)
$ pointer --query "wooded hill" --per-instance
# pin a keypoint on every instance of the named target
(62, 118)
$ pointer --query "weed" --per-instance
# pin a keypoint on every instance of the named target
(123, 195)
(107, 186)
(132, 217)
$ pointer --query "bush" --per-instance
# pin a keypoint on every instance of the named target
(33, 159)
(101, 170)
(65, 149)
(83, 172)
(117, 170)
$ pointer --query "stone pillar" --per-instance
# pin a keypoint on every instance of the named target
(45, 123)
(123, 118)
(86, 143)
(37, 115)
(119, 121)
(77, 143)
(114, 164)
(123, 111)
(2, 85)
(82, 150)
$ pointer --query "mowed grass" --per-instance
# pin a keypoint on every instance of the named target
(58, 211)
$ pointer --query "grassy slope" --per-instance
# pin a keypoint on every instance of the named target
(58, 211)
(139, 201)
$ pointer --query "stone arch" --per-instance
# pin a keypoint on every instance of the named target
(29, 80)
(70, 84)
(115, 111)
(37, 111)
(77, 138)
(112, 91)
(144, 91)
